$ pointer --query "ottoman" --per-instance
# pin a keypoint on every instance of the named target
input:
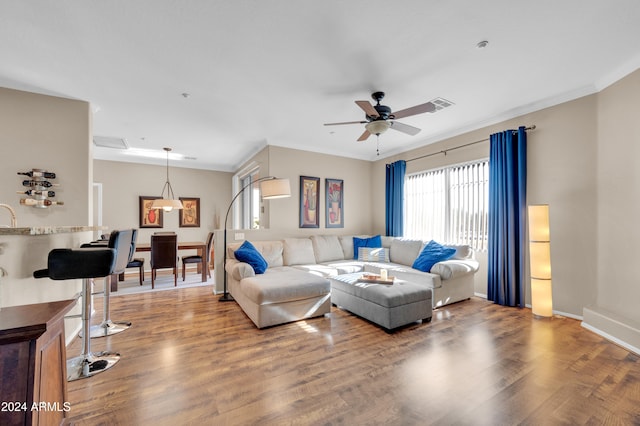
(388, 305)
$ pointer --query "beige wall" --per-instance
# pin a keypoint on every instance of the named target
(356, 174)
(50, 133)
(616, 309)
(561, 163)
(283, 215)
(123, 184)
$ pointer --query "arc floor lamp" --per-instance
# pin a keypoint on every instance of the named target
(271, 188)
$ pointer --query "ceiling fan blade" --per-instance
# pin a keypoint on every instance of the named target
(364, 136)
(414, 110)
(405, 128)
(367, 108)
(345, 122)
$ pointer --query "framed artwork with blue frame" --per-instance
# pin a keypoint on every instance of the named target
(309, 202)
(334, 203)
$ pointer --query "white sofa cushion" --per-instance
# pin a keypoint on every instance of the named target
(450, 269)
(327, 248)
(346, 241)
(283, 285)
(405, 252)
(270, 250)
(462, 252)
(298, 251)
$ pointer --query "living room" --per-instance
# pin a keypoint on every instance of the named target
(580, 161)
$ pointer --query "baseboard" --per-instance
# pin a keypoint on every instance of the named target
(484, 296)
(621, 331)
(73, 335)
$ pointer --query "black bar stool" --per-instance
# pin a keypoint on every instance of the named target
(121, 242)
(85, 263)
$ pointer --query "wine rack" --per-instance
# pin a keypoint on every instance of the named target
(38, 189)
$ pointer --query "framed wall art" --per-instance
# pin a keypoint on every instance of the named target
(309, 202)
(149, 218)
(189, 216)
(334, 203)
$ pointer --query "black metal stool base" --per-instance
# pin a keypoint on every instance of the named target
(88, 365)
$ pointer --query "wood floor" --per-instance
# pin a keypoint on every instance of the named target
(189, 359)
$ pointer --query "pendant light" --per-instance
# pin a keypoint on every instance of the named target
(169, 203)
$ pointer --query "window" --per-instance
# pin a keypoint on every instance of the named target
(449, 205)
(250, 202)
(246, 208)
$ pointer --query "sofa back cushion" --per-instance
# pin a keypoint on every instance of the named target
(298, 251)
(346, 241)
(247, 253)
(327, 248)
(270, 250)
(405, 252)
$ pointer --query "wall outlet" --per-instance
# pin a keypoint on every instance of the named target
(239, 236)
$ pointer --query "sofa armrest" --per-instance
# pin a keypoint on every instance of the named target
(239, 270)
(453, 268)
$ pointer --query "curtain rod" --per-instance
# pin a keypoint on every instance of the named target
(444, 151)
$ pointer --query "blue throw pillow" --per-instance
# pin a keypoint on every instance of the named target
(374, 242)
(431, 254)
(249, 254)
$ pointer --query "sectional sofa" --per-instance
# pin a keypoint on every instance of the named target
(295, 286)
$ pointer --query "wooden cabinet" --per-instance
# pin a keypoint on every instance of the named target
(33, 364)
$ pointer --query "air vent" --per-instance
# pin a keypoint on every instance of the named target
(441, 104)
(110, 142)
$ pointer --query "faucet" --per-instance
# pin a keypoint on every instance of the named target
(14, 220)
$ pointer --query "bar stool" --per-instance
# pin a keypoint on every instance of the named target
(121, 242)
(88, 263)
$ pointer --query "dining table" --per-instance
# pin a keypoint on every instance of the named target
(200, 246)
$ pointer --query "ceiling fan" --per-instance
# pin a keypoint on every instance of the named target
(379, 118)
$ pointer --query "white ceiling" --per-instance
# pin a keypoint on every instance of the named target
(272, 72)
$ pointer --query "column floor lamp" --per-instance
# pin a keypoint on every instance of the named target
(271, 188)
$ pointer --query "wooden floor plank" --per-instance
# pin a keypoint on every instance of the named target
(189, 359)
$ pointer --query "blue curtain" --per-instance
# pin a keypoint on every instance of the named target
(507, 217)
(394, 194)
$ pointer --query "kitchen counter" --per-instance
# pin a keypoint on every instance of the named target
(25, 250)
(49, 230)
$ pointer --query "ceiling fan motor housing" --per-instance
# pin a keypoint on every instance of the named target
(384, 112)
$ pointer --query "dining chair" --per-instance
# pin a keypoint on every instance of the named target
(164, 254)
(198, 259)
(134, 262)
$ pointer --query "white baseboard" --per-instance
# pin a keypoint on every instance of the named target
(613, 327)
(484, 296)
(72, 335)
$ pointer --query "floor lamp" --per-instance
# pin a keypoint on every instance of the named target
(270, 188)
(540, 261)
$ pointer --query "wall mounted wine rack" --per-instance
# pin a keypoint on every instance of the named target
(39, 189)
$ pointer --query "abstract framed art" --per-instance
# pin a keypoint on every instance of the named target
(309, 202)
(334, 203)
(149, 218)
(189, 216)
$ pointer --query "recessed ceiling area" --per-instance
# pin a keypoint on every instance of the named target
(217, 81)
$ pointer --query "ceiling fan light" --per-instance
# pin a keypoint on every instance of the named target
(377, 127)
